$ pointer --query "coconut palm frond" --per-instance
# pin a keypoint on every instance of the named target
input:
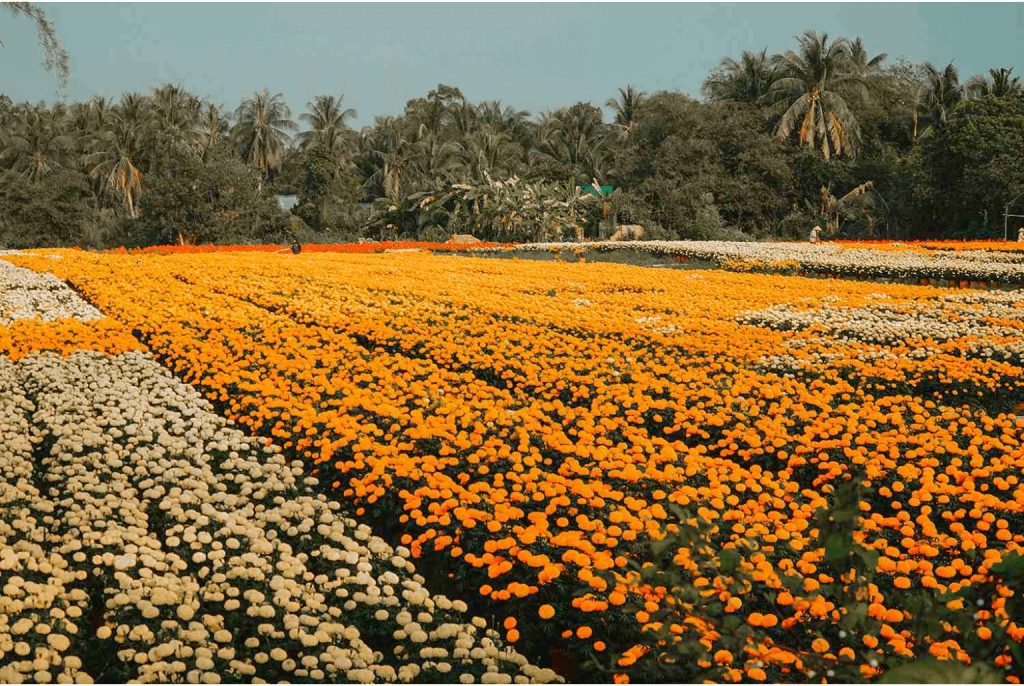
(796, 112)
(856, 192)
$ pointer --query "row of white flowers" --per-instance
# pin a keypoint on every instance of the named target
(969, 265)
(988, 315)
(26, 294)
(986, 326)
(42, 601)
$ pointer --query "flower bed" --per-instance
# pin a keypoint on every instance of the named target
(25, 294)
(960, 268)
(528, 429)
(144, 539)
(353, 248)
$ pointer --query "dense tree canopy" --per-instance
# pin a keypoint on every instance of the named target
(774, 137)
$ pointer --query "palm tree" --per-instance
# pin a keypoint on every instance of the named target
(999, 83)
(261, 131)
(384, 156)
(748, 79)
(503, 116)
(491, 151)
(132, 111)
(100, 111)
(210, 128)
(810, 93)
(116, 159)
(170, 122)
(863, 68)
(443, 106)
(85, 125)
(174, 108)
(859, 59)
(327, 121)
(463, 117)
(55, 59)
(941, 95)
(576, 138)
(434, 158)
(115, 166)
(626, 107)
(37, 143)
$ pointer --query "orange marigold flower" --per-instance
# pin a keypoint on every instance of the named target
(757, 674)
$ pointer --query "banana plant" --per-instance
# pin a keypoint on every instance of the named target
(832, 208)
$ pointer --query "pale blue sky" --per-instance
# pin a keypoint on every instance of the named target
(532, 56)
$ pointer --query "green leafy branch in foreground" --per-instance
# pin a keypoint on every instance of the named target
(830, 632)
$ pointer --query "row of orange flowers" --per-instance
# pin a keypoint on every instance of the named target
(65, 336)
(535, 423)
(934, 244)
(353, 248)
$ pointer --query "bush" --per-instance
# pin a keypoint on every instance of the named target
(434, 234)
(50, 211)
(220, 201)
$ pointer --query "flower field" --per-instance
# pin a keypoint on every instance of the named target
(143, 539)
(525, 433)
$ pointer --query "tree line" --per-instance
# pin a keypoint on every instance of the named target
(825, 133)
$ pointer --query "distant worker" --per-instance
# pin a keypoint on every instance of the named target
(816, 234)
(1020, 235)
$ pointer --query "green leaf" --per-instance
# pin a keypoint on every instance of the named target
(868, 557)
(931, 671)
(731, 623)
(837, 547)
(1011, 567)
(728, 560)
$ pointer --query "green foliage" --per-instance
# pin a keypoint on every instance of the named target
(434, 234)
(508, 210)
(974, 164)
(697, 168)
(931, 671)
(49, 212)
(744, 163)
(328, 193)
(220, 200)
(673, 645)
